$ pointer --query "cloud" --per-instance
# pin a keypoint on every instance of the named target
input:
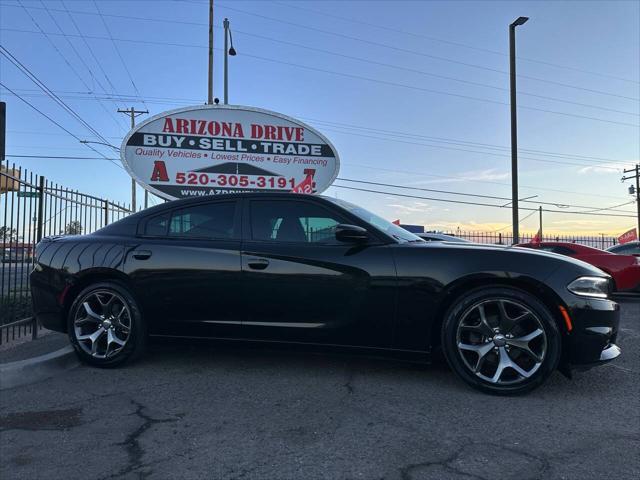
(615, 168)
(412, 207)
(490, 174)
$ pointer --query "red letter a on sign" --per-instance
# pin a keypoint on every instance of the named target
(159, 173)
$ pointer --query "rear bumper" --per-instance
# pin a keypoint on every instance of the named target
(591, 342)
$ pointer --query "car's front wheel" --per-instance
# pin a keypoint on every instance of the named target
(105, 325)
(501, 340)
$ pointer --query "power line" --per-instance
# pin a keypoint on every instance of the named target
(434, 75)
(104, 22)
(84, 40)
(175, 21)
(392, 133)
(555, 162)
(475, 203)
(491, 197)
(55, 47)
(439, 92)
(75, 50)
(415, 52)
(31, 76)
(455, 178)
(388, 136)
(396, 133)
(58, 125)
(449, 42)
(399, 67)
(395, 84)
(62, 157)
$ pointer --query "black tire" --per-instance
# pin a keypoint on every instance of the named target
(543, 357)
(136, 332)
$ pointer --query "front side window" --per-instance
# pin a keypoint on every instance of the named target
(395, 231)
(214, 220)
(300, 222)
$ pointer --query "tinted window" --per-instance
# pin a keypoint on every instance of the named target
(397, 232)
(292, 222)
(557, 249)
(214, 220)
(157, 226)
(626, 249)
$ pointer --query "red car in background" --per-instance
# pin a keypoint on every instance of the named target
(625, 269)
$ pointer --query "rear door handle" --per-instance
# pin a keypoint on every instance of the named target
(142, 254)
(258, 263)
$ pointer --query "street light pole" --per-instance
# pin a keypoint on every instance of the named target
(227, 51)
(514, 127)
(210, 97)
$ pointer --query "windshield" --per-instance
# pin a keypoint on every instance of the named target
(395, 231)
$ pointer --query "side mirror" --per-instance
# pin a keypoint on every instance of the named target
(351, 233)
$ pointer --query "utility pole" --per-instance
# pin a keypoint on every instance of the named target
(514, 127)
(540, 214)
(210, 98)
(133, 113)
(636, 172)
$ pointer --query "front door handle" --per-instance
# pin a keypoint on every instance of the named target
(142, 254)
(258, 263)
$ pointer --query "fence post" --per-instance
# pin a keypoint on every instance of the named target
(106, 213)
(40, 208)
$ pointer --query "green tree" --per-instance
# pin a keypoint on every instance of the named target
(8, 234)
(72, 228)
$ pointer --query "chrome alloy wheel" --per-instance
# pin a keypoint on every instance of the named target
(501, 341)
(102, 323)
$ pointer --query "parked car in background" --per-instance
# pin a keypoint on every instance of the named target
(306, 269)
(625, 269)
(631, 248)
(440, 237)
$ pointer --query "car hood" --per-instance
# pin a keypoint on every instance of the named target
(587, 268)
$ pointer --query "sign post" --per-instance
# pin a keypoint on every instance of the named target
(209, 150)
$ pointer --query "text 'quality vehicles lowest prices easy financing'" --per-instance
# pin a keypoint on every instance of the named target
(283, 267)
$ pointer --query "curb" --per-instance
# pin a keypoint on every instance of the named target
(34, 369)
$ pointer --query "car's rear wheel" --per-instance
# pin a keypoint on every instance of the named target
(501, 340)
(105, 326)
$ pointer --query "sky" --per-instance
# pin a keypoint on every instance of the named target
(412, 94)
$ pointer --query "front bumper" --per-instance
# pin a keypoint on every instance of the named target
(591, 342)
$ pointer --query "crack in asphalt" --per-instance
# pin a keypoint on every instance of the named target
(132, 445)
(406, 473)
(351, 373)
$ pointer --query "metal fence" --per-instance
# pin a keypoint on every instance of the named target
(498, 238)
(32, 207)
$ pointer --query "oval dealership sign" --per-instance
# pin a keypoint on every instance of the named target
(210, 149)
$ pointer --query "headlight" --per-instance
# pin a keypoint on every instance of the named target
(597, 287)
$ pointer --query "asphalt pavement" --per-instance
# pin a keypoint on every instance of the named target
(193, 410)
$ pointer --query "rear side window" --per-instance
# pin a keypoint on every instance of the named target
(214, 220)
(157, 226)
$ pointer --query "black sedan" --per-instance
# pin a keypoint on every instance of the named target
(307, 269)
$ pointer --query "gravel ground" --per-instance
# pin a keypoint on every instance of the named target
(197, 411)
